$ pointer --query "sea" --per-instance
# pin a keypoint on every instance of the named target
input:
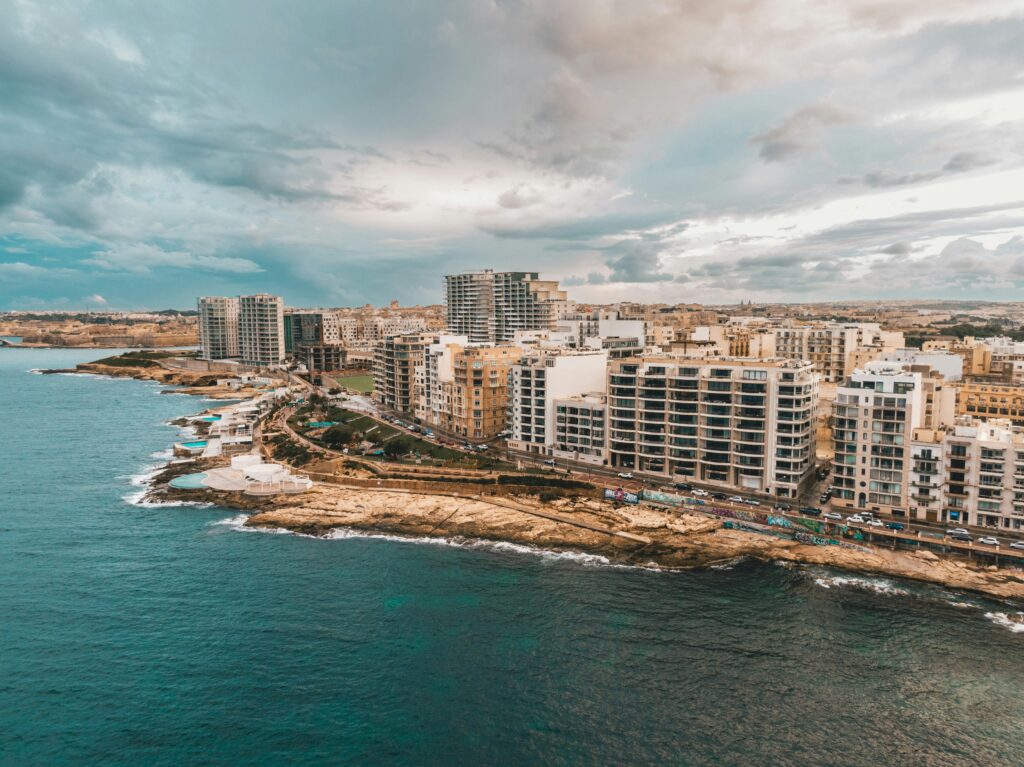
(140, 634)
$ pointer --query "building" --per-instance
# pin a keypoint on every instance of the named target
(874, 417)
(218, 328)
(489, 307)
(396, 360)
(544, 376)
(323, 358)
(462, 388)
(581, 428)
(969, 472)
(829, 345)
(736, 423)
(992, 400)
(261, 329)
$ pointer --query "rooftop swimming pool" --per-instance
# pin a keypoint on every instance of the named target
(189, 482)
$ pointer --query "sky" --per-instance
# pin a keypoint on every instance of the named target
(339, 153)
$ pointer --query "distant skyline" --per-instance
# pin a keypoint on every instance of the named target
(345, 153)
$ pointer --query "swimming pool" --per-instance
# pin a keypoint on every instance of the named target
(210, 418)
(321, 424)
(197, 443)
(189, 482)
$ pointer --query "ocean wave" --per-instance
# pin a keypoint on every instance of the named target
(139, 499)
(729, 565)
(35, 371)
(1014, 624)
(346, 533)
(876, 585)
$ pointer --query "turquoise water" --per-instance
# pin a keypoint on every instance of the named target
(198, 443)
(210, 418)
(167, 636)
(321, 424)
(189, 482)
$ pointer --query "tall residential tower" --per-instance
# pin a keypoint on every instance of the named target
(489, 307)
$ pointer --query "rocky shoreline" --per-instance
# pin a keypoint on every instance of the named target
(675, 540)
(190, 382)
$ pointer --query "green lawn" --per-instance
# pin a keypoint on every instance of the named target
(362, 384)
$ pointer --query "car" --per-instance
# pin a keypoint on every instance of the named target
(875, 523)
(700, 493)
(962, 537)
(625, 475)
(1017, 545)
(824, 497)
(734, 499)
(957, 531)
(813, 511)
(751, 502)
(897, 526)
(856, 519)
(833, 515)
(719, 496)
(782, 507)
(551, 462)
(683, 486)
(988, 540)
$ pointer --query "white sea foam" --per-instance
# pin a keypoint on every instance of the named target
(877, 585)
(35, 371)
(1014, 622)
(728, 565)
(346, 533)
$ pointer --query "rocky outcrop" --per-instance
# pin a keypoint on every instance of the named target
(677, 540)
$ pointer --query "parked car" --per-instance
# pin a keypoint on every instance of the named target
(625, 475)
(896, 526)
(719, 496)
(833, 515)
(734, 499)
(988, 540)
(551, 462)
(1017, 545)
(824, 497)
(957, 531)
(751, 502)
(813, 511)
(683, 486)
(962, 537)
(875, 523)
(700, 493)
(856, 519)
(782, 507)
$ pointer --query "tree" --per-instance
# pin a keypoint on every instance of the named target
(340, 436)
(397, 447)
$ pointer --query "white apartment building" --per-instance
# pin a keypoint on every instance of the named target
(218, 328)
(970, 472)
(489, 307)
(261, 329)
(581, 428)
(829, 345)
(541, 378)
(733, 422)
(874, 417)
(377, 328)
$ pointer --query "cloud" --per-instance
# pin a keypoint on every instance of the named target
(635, 261)
(142, 258)
(801, 131)
(519, 196)
(961, 162)
(97, 299)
